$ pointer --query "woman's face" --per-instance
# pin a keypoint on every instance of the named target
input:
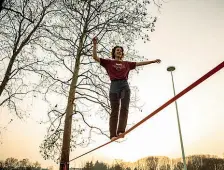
(118, 52)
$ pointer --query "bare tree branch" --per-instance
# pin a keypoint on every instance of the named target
(17, 37)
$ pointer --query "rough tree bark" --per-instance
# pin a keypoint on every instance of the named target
(70, 105)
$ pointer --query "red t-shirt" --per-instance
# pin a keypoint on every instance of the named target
(117, 70)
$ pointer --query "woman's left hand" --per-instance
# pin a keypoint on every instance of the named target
(157, 61)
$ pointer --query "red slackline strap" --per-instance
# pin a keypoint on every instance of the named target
(200, 80)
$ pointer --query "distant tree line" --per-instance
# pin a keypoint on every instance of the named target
(24, 164)
(101, 166)
(196, 162)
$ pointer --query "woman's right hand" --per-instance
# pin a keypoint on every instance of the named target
(94, 50)
(95, 40)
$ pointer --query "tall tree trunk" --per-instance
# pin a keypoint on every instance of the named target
(64, 162)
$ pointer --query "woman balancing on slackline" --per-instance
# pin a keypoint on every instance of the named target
(118, 71)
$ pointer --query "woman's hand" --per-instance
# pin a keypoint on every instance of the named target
(157, 61)
(95, 57)
(95, 40)
(147, 62)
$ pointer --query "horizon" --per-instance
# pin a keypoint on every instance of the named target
(178, 159)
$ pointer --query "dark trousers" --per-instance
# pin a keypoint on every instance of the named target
(119, 104)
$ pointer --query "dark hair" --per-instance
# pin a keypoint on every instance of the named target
(113, 51)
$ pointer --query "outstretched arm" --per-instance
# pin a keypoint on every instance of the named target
(147, 62)
(95, 57)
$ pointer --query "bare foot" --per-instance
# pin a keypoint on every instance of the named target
(121, 135)
(113, 138)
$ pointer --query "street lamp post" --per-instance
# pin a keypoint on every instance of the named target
(171, 69)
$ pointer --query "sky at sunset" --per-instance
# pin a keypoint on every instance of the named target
(189, 35)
